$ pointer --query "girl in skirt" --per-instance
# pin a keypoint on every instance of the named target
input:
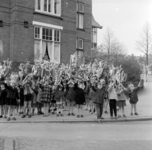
(3, 96)
(46, 97)
(121, 103)
(58, 97)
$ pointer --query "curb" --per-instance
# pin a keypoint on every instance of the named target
(79, 121)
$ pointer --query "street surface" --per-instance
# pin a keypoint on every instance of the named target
(77, 136)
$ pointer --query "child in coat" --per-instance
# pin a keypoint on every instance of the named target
(79, 99)
(99, 99)
(3, 96)
(133, 96)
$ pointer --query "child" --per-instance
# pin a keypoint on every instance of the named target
(12, 97)
(3, 96)
(121, 103)
(99, 99)
(28, 92)
(71, 98)
(58, 97)
(64, 96)
(53, 102)
(79, 99)
(133, 91)
(112, 99)
(35, 93)
(46, 97)
(21, 96)
(86, 87)
(38, 100)
(91, 97)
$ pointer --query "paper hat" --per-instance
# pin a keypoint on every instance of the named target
(71, 82)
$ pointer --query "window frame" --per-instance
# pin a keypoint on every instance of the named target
(50, 41)
(94, 37)
(79, 12)
(80, 48)
(52, 12)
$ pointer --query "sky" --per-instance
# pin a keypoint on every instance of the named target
(125, 18)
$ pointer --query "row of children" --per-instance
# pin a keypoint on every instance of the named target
(34, 92)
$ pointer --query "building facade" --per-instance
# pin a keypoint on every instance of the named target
(51, 29)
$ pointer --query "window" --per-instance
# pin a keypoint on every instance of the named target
(80, 7)
(47, 44)
(37, 32)
(80, 15)
(79, 43)
(48, 6)
(94, 37)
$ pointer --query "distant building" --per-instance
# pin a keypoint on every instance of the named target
(50, 29)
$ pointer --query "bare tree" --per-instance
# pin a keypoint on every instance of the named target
(144, 45)
(111, 46)
(108, 42)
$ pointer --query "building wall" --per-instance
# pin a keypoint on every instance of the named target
(19, 41)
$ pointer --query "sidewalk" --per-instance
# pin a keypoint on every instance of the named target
(144, 109)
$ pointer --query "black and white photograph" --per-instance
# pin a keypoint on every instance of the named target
(75, 74)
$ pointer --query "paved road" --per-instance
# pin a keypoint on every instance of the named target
(105, 136)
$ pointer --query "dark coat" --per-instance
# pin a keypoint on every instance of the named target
(3, 97)
(99, 95)
(12, 95)
(70, 94)
(133, 95)
(79, 96)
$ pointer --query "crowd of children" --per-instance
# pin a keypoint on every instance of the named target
(95, 85)
(36, 93)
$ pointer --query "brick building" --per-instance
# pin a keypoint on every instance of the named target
(51, 29)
